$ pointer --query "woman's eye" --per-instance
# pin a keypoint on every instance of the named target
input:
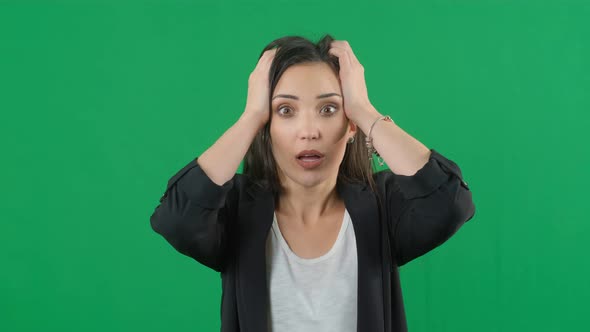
(287, 109)
(334, 109)
(282, 108)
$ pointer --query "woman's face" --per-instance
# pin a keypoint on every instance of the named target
(302, 121)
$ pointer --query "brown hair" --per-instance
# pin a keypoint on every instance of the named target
(259, 162)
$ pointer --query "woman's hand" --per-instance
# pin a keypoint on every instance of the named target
(257, 104)
(352, 80)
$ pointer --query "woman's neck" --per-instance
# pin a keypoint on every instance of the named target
(307, 205)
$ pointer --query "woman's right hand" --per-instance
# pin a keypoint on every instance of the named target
(258, 89)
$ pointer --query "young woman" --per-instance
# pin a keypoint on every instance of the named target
(308, 238)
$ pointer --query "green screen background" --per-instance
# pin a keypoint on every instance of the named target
(103, 101)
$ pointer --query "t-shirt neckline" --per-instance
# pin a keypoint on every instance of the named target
(330, 253)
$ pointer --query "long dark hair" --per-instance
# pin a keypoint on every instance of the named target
(259, 162)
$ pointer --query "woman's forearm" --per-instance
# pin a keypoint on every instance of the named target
(221, 161)
(404, 154)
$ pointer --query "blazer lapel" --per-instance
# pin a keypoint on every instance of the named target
(255, 216)
(362, 206)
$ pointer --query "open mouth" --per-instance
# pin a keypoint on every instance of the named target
(309, 158)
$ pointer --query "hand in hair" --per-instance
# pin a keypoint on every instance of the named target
(352, 79)
(258, 94)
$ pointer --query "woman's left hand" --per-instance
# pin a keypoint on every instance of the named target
(352, 80)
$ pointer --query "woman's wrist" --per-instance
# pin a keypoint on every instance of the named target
(253, 119)
(365, 119)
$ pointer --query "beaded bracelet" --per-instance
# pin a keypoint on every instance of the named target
(369, 140)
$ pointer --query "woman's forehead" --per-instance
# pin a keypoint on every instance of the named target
(308, 82)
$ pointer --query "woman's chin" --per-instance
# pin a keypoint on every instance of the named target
(309, 179)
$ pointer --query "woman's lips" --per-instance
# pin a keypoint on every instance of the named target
(310, 162)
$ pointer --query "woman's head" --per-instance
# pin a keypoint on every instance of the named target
(300, 73)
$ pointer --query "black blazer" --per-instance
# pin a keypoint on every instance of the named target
(225, 228)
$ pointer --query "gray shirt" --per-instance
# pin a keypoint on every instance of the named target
(318, 294)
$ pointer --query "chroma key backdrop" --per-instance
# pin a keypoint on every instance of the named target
(101, 102)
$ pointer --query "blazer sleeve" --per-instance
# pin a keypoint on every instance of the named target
(435, 202)
(194, 215)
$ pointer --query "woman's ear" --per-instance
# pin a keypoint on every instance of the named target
(352, 127)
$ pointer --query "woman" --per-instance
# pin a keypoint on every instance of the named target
(308, 238)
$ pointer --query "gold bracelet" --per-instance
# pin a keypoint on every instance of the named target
(369, 139)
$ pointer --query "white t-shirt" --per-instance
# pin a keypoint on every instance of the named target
(309, 295)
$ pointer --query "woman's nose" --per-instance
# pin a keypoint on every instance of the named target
(308, 128)
(310, 135)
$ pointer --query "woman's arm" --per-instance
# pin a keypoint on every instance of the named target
(200, 201)
(404, 154)
(195, 214)
(197, 209)
(221, 161)
(427, 199)
(425, 209)
(436, 203)
(426, 196)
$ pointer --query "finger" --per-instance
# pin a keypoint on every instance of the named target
(352, 56)
(339, 53)
(269, 55)
(343, 58)
(346, 46)
(341, 44)
(266, 59)
(266, 55)
(271, 52)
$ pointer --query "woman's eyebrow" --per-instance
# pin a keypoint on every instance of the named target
(325, 95)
